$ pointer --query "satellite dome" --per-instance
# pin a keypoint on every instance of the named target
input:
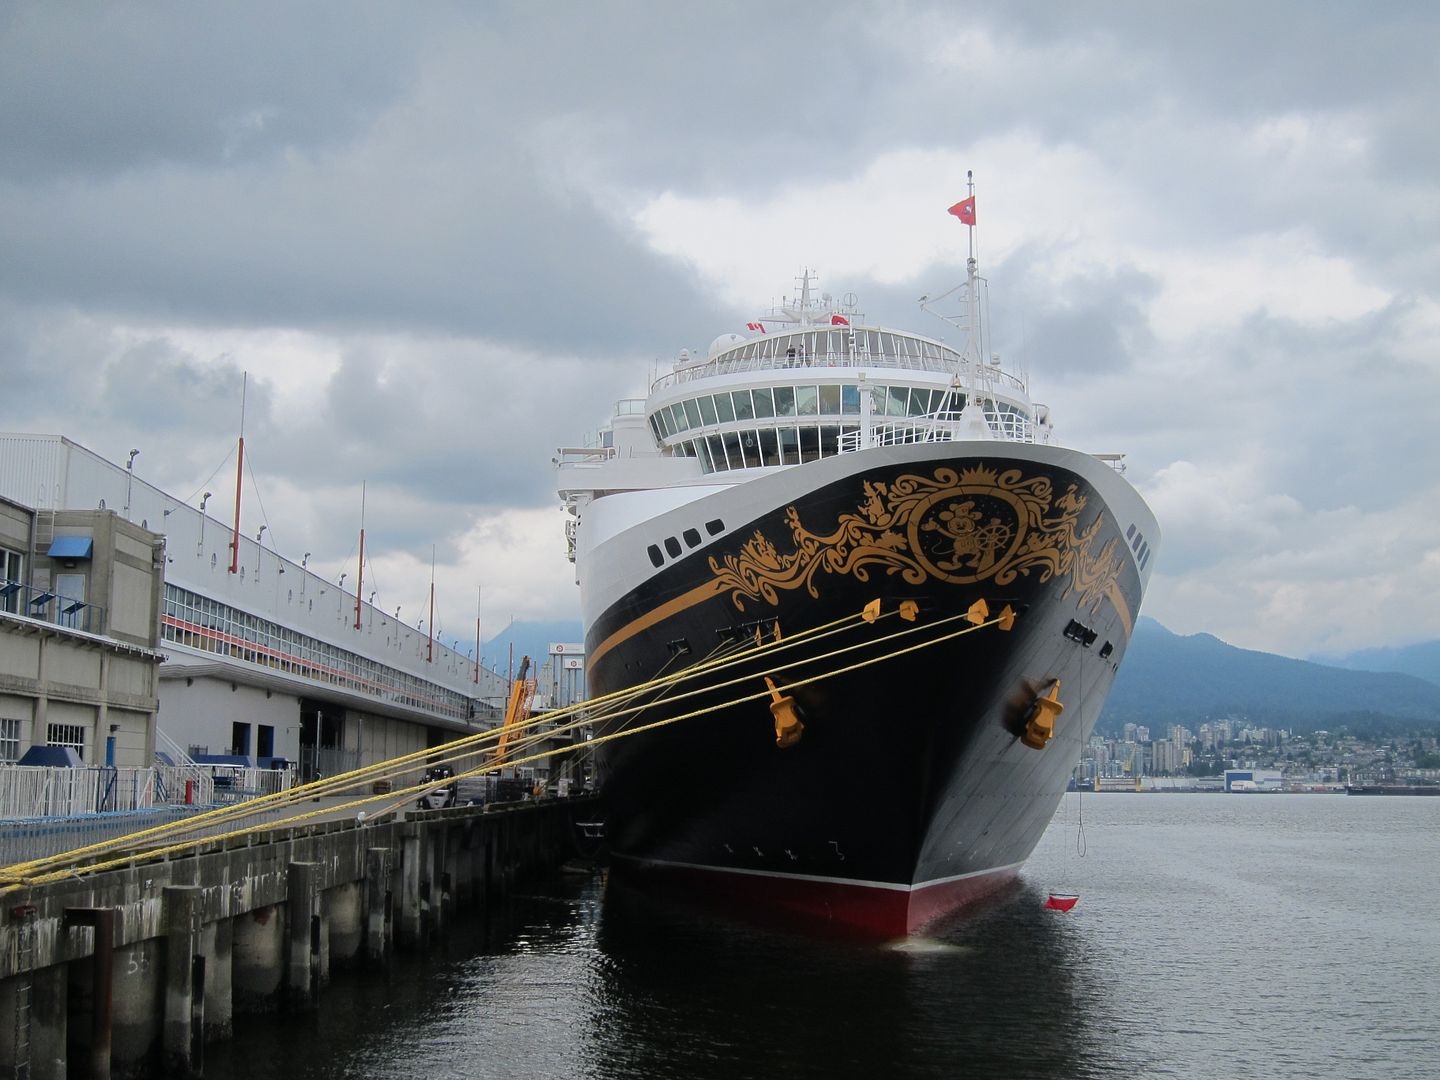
(723, 342)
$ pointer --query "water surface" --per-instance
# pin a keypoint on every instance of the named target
(1216, 935)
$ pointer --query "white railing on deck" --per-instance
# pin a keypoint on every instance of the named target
(868, 361)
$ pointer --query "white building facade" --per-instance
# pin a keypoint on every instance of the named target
(261, 657)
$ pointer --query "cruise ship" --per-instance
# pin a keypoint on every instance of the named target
(913, 601)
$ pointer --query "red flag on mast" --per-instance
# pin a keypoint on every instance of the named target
(965, 210)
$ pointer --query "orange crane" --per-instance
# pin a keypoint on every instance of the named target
(517, 710)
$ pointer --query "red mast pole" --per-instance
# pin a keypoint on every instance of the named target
(239, 474)
(360, 571)
(360, 578)
(430, 626)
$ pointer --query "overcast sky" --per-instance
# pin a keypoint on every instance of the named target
(442, 238)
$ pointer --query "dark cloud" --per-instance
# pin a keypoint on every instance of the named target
(444, 199)
(91, 90)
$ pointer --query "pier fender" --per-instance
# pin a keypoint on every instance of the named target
(1040, 725)
(788, 727)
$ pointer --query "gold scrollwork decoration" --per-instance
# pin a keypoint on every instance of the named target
(958, 526)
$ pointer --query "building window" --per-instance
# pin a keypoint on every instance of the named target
(71, 735)
(9, 741)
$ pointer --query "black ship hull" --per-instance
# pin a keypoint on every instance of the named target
(912, 788)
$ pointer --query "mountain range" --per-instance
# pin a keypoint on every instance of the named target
(1169, 678)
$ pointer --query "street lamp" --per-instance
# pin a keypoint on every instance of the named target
(129, 479)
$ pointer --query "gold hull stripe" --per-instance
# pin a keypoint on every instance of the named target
(697, 595)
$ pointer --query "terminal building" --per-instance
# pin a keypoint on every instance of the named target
(135, 623)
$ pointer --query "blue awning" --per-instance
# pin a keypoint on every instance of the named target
(71, 547)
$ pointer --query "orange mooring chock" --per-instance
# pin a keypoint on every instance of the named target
(788, 727)
(1040, 728)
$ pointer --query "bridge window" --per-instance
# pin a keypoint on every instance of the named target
(744, 410)
(806, 403)
(750, 447)
(724, 408)
(809, 444)
(732, 450)
(769, 447)
(717, 452)
(784, 401)
(789, 446)
(764, 406)
(707, 411)
(830, 400)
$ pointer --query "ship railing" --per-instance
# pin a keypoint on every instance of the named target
(572, 456)
(863, 360)
(936, 427)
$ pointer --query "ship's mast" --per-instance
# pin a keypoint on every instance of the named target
(972, 267)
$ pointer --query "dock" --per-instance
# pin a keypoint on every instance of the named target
(182, 949)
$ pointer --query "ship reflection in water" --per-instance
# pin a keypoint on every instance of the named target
(990, 993)
(1281, 936)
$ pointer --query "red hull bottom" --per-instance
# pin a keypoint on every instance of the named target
(858, 908)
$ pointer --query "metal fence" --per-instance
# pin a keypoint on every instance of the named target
(52, 607)
(28, 791)
(35, 838)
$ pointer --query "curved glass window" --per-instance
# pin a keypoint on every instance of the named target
(789, 446)
(830, 400)
(809, 443)
(850, 399)
(769, 447)
(707, 411)
(750, 448)
(806, 402)
(724, 409)
(784, 401)
(744, 410)
(764, 405)
(692, 413)
(732, 450)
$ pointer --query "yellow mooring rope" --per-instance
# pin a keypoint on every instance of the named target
(611, 706)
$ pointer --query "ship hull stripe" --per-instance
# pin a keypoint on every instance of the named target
(697, 595)
(893, 886)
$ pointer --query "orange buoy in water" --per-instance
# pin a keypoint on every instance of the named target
(1061, 901)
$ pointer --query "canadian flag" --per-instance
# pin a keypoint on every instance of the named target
(755, 326)
(965, 210)
(839, 320)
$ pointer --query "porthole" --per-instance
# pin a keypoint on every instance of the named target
(672, 547)
(692, 538)
(655, 557)
(715, 528)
